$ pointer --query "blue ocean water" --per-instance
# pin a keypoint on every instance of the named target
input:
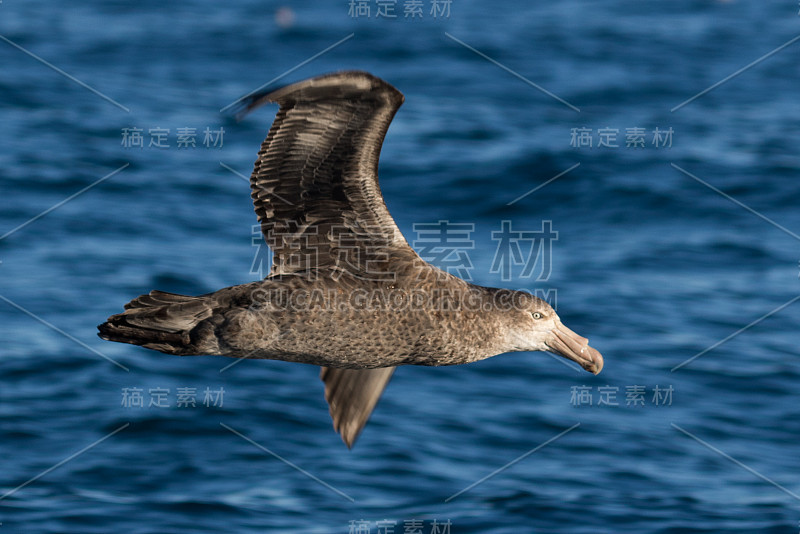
(664, 251)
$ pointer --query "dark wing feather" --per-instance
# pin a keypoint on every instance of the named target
(315, 182)
(316, 193)
(352, 395)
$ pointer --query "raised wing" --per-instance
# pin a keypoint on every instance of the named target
(315, 182)
(352, 395)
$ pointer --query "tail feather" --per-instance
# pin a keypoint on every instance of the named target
(161, 321)
(157, 298)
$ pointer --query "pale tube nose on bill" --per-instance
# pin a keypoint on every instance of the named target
(570, 345)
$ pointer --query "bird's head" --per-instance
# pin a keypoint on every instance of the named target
(537, 326)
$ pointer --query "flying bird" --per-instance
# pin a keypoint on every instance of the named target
(345, 291)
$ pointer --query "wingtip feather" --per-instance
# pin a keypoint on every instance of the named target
(341, 84)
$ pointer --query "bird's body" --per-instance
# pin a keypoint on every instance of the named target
(345, 292)
(439, 320)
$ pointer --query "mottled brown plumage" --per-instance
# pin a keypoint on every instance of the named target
(346, 292)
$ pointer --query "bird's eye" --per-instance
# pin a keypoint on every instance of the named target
(537, 315)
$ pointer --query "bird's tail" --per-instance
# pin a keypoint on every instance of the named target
(167, 322)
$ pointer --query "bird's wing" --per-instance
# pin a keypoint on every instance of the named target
(315, 182)
(352, 395)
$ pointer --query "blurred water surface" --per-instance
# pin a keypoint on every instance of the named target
(651, 264)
